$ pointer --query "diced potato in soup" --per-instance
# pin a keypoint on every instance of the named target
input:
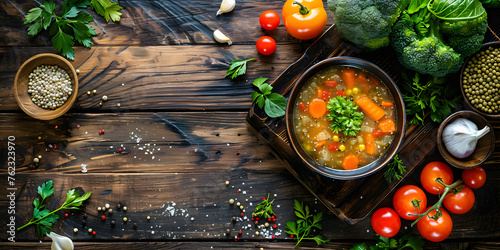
(337, 150)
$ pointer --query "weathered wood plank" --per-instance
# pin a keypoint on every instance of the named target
(240, 245)
(151, 143)
(203, 197)
(158, 23)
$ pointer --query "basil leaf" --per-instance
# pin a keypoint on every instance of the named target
(275, 105)
(456, 10)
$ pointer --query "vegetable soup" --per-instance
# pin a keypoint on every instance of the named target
(344, 118)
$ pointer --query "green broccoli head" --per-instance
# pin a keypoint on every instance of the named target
(402, 34)
(367, 23)
(466, 37)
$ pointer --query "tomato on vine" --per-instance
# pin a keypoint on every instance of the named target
(433, 171)
(269, 20)
(409, 201)
(474, 177)
(386, 222)
(435, 228)
(266, 45)
(460, 200)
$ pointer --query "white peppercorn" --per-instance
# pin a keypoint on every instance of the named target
(50, 86)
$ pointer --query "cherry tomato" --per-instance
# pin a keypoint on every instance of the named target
(266, 45)
(435, 230)
(475, 177)
(461, 202)
(386, 222)
(269, 20)
(431, 172)
(409, 199)
(306, 20)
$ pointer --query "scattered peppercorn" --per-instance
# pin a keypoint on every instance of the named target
(231, 201)
(118, 105)
(238, 191)
(227, 182)
(66, 215)
(113, 222)
(291, 236)
(124, 208)
(94, 233)
(40, 157)
(238, 204)
(242, 214)
(125, 219)
(110, 211)
(120, 150)
(36, 160)
(234, 218)
(241, 207)
(240, 232)
(88, 92)
(75, 230)
(119, 205)
(85, 215)
(134, 225)
(107, 206)
(90, 230)
(103, 217)
(256, 223)
(99, 209)
(275, 226)
(266, 224)
(273, 237)
(94, 91)
(256, 232)
(104, 98)
(228, 231)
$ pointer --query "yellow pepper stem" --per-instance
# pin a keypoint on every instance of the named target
(303, 9)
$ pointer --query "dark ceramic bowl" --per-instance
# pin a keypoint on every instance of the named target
(484, 148)
(399, 113)
(483, 48)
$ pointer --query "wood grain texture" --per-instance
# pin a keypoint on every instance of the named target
(150, 23)
(151, 142)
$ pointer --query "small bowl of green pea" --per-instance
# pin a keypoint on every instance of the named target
(480, 80)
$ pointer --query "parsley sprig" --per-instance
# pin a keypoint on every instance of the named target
(407, 241)
(344, 115)
(44, 218)
(425, 94)
(395, 170)
(304, 225)
(274, 104)
(238, 68)
(71, 23)
(264, 209)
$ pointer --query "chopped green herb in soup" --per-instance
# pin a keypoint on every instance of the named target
(344, 118)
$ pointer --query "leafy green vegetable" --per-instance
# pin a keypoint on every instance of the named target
(274, 104)
(491, 3)
(344, 115)
(69, 23)
(44, 218)
(405, 242)
(456, 10)
(427, 95)
(304, 225)
(264, 209)
(238, 68)
(395, 170)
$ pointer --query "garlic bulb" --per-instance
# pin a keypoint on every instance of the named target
(60, 242)
(221, 38)
(460, 137)
(226, 6)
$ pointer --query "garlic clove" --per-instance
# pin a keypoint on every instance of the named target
(60, 242)
(460, 137)
(221, 38)
(226, 6)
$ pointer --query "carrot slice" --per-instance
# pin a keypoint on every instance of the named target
(333, 146)
(350, 162)
(320, 143)
(362, 79)
(374, 81)
(348, 76)
(331, 83)
(386, 125)
(371, 109)
(302, 107)
(317, 108)
(387, 104)
(377, 133)
(370, 144)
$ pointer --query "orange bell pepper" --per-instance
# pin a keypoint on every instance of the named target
(304, 19)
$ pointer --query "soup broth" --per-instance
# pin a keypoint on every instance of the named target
(336, 150)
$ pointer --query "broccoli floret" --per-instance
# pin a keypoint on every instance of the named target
(466, 37)
(422, 49)
(365, 22)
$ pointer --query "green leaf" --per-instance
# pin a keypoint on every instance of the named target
(47, 19)
(344, 115)
(265, 88)
(259, 81)
(275, 105)
(456, 10)
(107, 9)
(73, 12)
(320, 239)
(361, 246)
(36, 203)
(33, 15)
(49, 220)
(37, 214)
(43, 230)
(411, 240)
(291, 228)
(114, 12)
(48, 6)
(64, 43)
(35, 28)
(45, 190)
(238, 68)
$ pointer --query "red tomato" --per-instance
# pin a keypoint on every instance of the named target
(461, 202)
(266, 45)
(475, 177)
(435, 230)
(386, 222)
(269, 20)
(431, 172)
(409, 199)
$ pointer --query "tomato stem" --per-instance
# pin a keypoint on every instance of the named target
(447, 189)
(303, 9)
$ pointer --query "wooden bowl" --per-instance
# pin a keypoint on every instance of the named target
(484, 148)
(398, 105)
(21, 86)
(483, 48)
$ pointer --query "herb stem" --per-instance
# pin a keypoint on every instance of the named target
(36, 221)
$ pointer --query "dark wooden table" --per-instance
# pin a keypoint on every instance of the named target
(182, 129)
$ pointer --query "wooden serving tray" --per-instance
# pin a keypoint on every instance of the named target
(350, 200)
